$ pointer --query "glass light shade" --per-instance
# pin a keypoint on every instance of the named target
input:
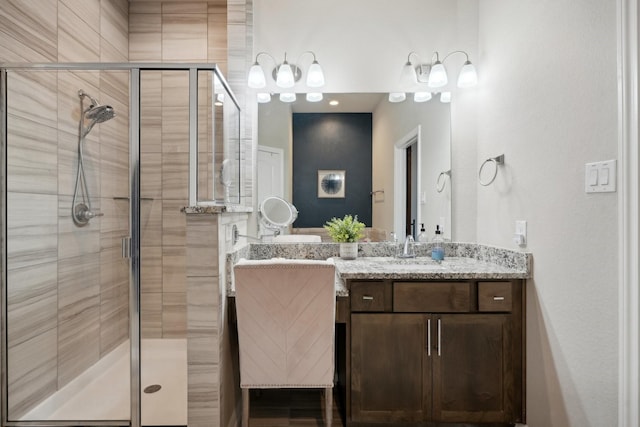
(397, 96)
(445, 97)
(287, 97)
(438, 75)
(408, 77)
(468, 76)
(219, 99)
(263, 97)
(256, 79)
(422, 96)
(285, 76)
(314, 97)
(315, 76)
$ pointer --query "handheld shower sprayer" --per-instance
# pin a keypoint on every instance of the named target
(81, 212)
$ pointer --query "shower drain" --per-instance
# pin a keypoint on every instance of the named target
(152, 388)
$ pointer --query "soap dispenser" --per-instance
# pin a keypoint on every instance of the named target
(437, 250)
(422, 237)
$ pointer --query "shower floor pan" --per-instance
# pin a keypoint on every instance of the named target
(102, 392)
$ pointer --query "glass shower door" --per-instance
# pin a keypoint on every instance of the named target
(66, 293)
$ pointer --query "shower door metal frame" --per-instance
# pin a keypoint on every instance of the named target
(134, 70)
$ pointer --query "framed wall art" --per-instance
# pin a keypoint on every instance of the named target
(331, 183)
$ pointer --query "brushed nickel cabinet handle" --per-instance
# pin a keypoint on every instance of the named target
(439, 337)
(498, 298)
(429, 337)
(367, 297)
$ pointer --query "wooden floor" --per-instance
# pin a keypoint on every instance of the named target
(290, 407)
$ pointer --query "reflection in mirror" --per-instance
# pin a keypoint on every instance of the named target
(390, 122)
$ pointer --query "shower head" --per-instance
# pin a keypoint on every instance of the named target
(100, 113)
(96, 113)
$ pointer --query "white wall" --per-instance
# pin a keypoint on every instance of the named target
(547, 99)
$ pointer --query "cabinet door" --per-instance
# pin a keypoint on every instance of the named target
(472, 369)
(390, 368)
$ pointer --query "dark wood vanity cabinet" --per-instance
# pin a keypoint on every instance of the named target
(436, 352)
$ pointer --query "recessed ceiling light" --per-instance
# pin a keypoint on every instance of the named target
(334, 102)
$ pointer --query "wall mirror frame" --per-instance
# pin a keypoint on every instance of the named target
(396, 126)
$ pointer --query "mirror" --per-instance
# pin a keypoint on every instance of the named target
(391, 123)
(276, 213)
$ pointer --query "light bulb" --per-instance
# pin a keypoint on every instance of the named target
(445, 97)
(314, 96)
(397, 96)
(263, 97)
(408, 77)
(438, 75)
(285, 76)
(468, 76)
(256, 79)
(315, 76)
(287, 97)
(422, 96)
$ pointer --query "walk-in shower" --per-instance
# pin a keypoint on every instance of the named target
(94, 308)
(81, 211)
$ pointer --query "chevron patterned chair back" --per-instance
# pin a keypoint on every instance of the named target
(286, 326)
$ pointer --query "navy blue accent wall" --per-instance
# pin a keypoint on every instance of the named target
(331, 141)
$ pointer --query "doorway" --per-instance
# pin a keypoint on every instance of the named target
(407, 184)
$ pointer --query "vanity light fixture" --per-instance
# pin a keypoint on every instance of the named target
(285, 74)
(263, 97)
(287, 97)
(397, 97)
(314, 96)
(434, 74)
(445, 97)
(422, 96)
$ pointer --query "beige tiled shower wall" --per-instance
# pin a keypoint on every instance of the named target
(67, 286)
(170, 31)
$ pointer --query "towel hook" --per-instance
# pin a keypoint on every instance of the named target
(442, 180)
(497, 161)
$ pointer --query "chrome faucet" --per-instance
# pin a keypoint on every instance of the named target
(409, 250)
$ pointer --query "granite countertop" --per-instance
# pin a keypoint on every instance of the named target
(463, 261)
(424, 268)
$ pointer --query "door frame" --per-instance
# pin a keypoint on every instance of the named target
(399, 176)
(628, 214)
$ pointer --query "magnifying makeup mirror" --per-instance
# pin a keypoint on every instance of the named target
(276, 213)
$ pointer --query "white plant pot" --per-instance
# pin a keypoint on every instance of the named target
(349, 250)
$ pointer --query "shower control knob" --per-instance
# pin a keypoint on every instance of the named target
(82, 214)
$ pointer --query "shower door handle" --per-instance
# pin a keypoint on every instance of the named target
(126, 247)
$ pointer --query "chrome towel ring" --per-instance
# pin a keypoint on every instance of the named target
(441, 182)
(497, 161)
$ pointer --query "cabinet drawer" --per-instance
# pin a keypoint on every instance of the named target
(432, 297)
(367, 296)
(494, 296)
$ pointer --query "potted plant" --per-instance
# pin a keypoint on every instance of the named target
(346, 231)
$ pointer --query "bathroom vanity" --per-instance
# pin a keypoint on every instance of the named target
(430, 344)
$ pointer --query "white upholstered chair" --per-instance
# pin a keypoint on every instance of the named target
(286, 326)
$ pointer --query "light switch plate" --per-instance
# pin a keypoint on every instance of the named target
(520, 235)
(600, 177)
